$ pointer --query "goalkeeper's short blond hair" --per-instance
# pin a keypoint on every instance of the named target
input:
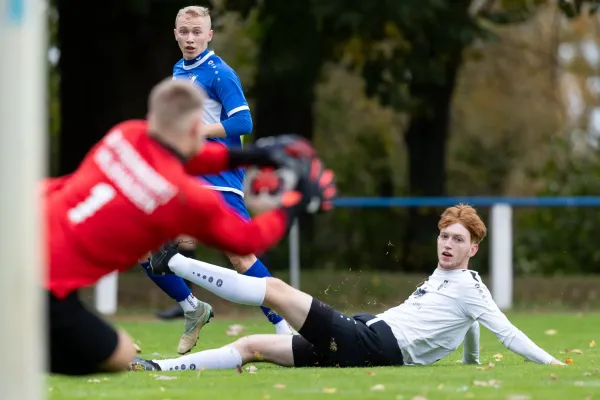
(173, 105)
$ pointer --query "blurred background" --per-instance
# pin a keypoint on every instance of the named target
(406, 98)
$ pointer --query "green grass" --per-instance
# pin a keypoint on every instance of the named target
(444, 380)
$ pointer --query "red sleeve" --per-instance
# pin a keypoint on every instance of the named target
(52, 184)
(212, 159)
(215, 224)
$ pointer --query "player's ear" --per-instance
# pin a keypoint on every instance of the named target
(474, 248)
(210, 35)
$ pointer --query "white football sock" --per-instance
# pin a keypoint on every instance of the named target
(223, 282)
(224, 358)
(190, 303)
(283, 328)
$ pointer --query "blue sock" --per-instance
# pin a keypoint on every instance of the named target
(259, 270)
(174, 286)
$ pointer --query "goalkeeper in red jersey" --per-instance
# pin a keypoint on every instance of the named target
(135, 191)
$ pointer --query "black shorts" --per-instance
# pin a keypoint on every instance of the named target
(79, 340)
(329, 338)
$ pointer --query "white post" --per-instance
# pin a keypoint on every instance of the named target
(501, 255)
(105, 294)
(294, 239)
(22, 143)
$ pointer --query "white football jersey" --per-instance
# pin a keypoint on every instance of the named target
(433, 321)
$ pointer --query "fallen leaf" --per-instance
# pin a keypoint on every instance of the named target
(235, 330)
(575, 351)
(587, 374)
(498, 356)
(551, 332)
(162, 389)
(370, 373)
(518, 397)
(165, 378)
(378, 387)
(553, 377)
(578, 383)
(593, 343)
(492, 382)
(588, 397)
(419, 398)
(279, 386)
(440, 386)
(93, 380)
(251, 369)
(569, 360)
(266, 396)
(329, 390)
(486, 367)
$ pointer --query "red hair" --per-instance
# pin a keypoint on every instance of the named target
(466, 216)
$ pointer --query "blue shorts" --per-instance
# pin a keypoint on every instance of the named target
(236, 202)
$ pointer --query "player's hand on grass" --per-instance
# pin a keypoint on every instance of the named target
(556, 362)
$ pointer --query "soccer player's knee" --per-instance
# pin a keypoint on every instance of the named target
(241, 263)
(276, 284)
(122, 356)
(248, 347)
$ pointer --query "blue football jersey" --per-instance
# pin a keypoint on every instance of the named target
(225, 98)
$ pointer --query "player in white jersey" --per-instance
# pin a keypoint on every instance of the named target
(442, 313)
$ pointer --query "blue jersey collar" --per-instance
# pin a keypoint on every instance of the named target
(202, 57)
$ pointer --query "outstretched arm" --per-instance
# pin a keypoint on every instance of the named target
(482, 308)
(471, 345)
(214, 223)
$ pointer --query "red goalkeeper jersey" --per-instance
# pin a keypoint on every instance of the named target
(130, 195)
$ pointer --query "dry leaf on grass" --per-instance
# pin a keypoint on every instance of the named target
(165, 378)
(279, 386)
(419, 398)
(519, 397)
(574, 351)
(578, 383)
(569, 361)
(491, 383)
(440, 386)
(593, 343)
(370, 373)
(587, 374)
(235, 330)
(94, 381)
(329, 390)
(251, 369)
(378, 387)
(551, 332)
(486, 367)
(553, 377)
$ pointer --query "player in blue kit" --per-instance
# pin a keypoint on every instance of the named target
(227, 118)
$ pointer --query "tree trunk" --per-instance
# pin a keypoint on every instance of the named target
(109, 62)
(287, 74)
(426, 139)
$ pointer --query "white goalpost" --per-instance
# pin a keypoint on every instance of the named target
(22, 160)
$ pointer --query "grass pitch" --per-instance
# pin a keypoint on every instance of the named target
(502, 375)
